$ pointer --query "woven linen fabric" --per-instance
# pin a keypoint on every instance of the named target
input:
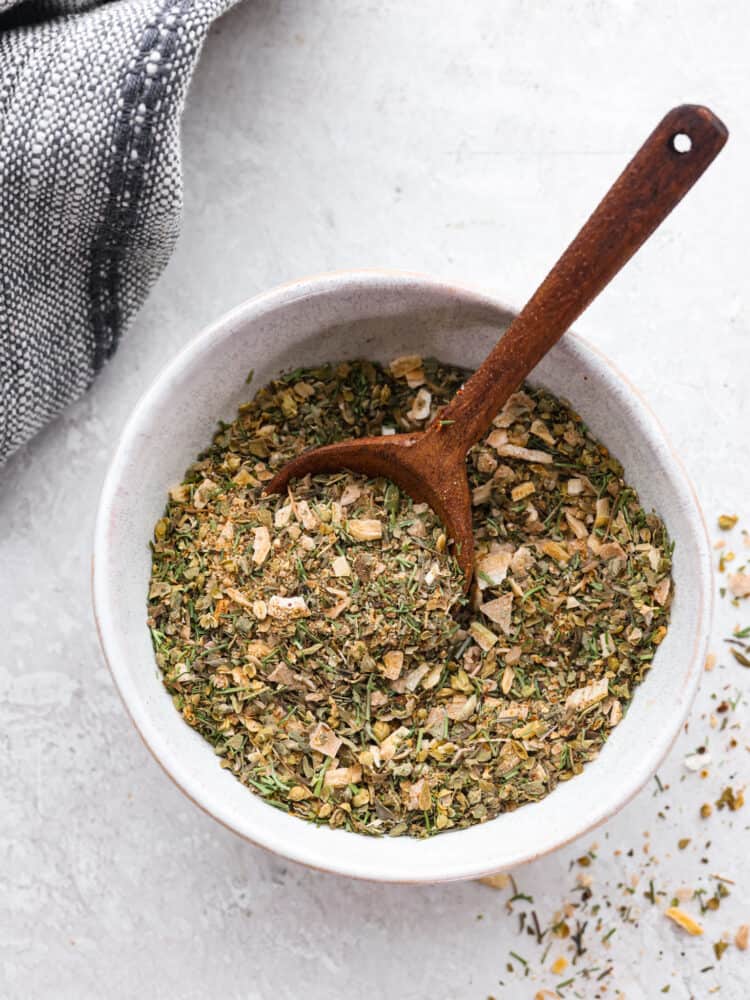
(91, 95)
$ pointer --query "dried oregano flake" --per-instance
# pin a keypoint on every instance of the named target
(321, 642)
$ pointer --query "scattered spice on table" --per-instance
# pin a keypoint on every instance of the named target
(709, 942)
(731, 799)
(683, 920)
(737, 582)
(321, 642)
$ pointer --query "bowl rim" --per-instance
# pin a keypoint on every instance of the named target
(224, 328)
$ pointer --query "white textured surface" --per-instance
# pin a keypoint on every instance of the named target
(468, 141)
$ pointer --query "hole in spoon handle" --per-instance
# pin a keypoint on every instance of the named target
(694, 133)
(681, 143)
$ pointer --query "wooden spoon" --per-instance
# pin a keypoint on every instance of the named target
(431, 465)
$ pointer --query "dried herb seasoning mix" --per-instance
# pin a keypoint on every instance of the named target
(321, 641)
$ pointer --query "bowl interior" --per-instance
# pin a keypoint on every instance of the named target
(379, 316)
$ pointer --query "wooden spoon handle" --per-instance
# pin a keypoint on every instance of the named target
(654, 181)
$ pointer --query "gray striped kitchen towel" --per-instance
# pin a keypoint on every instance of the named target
(91, 94)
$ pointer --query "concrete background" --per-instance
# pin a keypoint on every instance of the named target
(468, 141)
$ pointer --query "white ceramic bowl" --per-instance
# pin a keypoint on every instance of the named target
(380, 315)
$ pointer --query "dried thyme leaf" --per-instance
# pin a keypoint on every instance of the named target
(740, 657)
